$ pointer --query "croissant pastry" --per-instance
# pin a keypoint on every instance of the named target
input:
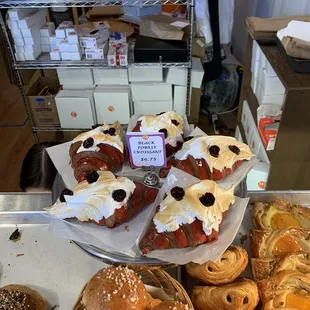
(266, 267)
(170, 123)
(99, 149)
(209, 157)
(241, 294)
(224, 270)
(268, 243)
(188, 217)
(286, 289)
(280, 214)
(106, 200)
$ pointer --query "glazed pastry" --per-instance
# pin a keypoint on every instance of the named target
(115, 288)
(266, 267)
(188, 217)
(241, 294)
(280, 214)
(170, 123)
(269, 244)
(290, 289)
(99, 149)
(224, 270)
(103, 199)
(171, 305)
(20, 297)
(209, 157)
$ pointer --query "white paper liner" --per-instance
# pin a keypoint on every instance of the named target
(208, 251)
(238, 174)
(120, 239)
(60, 157)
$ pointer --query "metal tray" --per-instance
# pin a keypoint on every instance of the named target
(117, 258)
(54, 267)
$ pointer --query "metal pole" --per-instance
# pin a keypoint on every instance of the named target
(17, 73)
(190, 12)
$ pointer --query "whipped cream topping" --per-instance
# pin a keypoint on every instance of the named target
(93, 201)
(102, 138)
(198, 147)
(153, 123)
(172, 213)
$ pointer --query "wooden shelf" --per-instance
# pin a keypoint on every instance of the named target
(290, 160)
(288, 77)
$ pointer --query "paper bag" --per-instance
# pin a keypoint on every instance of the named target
(164, 27)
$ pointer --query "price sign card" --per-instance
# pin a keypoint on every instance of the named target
(147, 149)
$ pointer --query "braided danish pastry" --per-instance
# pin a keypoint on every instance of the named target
(263, 268)
(269, 244)
(280, 214)
(286, 289)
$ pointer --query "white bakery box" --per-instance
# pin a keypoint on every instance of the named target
(137, 74)
(151, 97)
(76, 108)
(178, 76)
(73, 76)
(112, 104)
(265, 83)
(257, 177)
(110, 76)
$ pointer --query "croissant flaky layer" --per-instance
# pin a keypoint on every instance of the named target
(107, 158)
(224, 270)
(278, 243)
(266, 267)
(241, 294)
(280, 214)
(188, 235)
(199, 168)
(286, 288)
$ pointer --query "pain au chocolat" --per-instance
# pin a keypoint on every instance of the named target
(280, 214)
(100, 149)
(241, 294)
(209, 157)
(225, 269)
(188, 217)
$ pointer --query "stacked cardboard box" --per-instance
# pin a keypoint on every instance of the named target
(95, 42)
(48, 38)
(67, 43)
(25, 27)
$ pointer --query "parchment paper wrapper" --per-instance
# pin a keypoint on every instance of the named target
(119, 239)
(208, 251)
(59, 155)
(238, 175)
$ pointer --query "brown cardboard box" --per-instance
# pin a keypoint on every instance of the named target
(43, 108)
(199, 48)
(194, 108)
(164, 27)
